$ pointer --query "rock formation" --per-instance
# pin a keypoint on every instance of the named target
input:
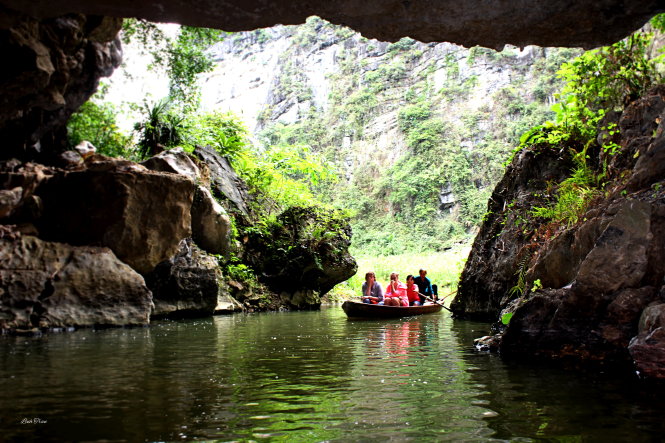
(100, 223)
(601, 279)
(141, 215)
(190, 283)
(52, 67)
(211, 225)
(473, 22)
(55, 285)
(500, 244)
(302, 255)
(75, 240)
(223, 180)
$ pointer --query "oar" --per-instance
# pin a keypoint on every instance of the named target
(454, 292)
(441, 304)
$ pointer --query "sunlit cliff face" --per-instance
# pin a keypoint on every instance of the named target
(469, 23)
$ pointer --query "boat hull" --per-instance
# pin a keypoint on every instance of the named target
(363, 310)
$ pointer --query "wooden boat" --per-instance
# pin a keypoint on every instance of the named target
(354, 309)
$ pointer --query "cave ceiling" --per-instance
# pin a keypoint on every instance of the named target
(490, 23)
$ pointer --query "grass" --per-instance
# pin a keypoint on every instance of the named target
(443, 269)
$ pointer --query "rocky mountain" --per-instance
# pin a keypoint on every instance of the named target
(415, 130)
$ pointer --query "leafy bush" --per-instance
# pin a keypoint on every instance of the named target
(183, 58)
(413, 115)
(187, 58)
(96, 123)
(404, 44)
(603, 80)
(223, 131)
(284, 176)
(162, 128)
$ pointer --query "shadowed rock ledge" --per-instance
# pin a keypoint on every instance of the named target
(469, 23)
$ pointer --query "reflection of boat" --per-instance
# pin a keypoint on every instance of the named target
(363, 310)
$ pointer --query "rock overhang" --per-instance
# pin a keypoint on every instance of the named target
(493, 24)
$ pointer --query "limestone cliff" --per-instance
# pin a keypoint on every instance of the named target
(591, 290)
(439, 116)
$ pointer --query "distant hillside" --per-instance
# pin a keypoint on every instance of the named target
(418, 132)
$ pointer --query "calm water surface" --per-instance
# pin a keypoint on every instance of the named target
(305, 376)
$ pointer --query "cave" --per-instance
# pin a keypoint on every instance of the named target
(57, 51)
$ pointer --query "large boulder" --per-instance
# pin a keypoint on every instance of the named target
(211, 225)
(141, 215)
(189, 284)
(51, 68)
(648, 347)
(303, 255)
(49, 285)
(595, 314)
(176, 161)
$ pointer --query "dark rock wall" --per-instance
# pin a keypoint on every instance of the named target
(51, 67)
(501, 244)
(469, 23)
(189, 284)
(602, 278)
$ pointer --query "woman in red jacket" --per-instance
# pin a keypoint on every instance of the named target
(396, 292)
(412, 291)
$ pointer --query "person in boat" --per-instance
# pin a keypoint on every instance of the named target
(396, 292)
(424, 286)
(372, 290)
(412, 292)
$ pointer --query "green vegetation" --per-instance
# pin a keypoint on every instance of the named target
(505, 318)
(223, 131)
(96, 123)
(187, 59)
(597, 82)
(161, 129)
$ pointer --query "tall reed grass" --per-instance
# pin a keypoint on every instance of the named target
(443, 269)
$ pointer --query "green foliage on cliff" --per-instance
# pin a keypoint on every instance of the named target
(187, 59)
(597, 82)
(604, 80)
(433, 193)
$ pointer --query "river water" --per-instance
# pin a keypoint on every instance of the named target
(306, 377)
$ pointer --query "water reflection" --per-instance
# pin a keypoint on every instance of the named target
(541, 401)
(309, 376)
